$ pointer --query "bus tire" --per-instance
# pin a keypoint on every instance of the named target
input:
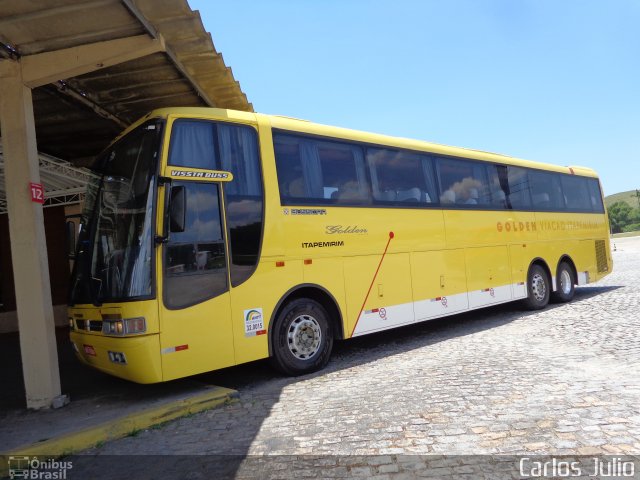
(566, 283)
(538, 288)
(302, 338)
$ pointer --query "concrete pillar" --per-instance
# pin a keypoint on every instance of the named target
(28, 243)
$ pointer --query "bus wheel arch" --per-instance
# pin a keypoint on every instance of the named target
(566, 279)
(317, 294)
(538, 285)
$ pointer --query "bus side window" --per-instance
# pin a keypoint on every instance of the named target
(546, 192)
(320, 172)
(193, 144)
(499, 186)
(595, 195)
(576, 192)
(232, 148)
(400, 177)
(463, 182)
(195, 264)
(519, 195)
(238, 148)
(289, 167)
(344, 175)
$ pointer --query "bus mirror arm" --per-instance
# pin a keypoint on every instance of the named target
(166, 183)
(177, 209)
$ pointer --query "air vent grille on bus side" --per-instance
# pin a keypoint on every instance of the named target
(601, 256)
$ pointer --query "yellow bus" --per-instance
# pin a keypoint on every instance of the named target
(213, 237)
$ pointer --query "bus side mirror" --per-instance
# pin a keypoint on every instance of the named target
(178, 209)
(71, 239)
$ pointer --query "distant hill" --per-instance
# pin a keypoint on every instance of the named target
(629, 197)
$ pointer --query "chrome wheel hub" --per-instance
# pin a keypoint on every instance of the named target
(565, 282)
(538, 287)
(304, 337)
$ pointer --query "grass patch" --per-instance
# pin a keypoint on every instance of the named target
(628, 197)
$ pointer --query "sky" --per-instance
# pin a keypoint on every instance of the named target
(547, 80)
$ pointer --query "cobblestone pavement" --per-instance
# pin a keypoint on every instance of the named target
(562, 381)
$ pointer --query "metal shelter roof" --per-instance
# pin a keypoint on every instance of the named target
(76, 117)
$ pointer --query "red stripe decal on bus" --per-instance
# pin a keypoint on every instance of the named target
(391, 235)
(182, 347)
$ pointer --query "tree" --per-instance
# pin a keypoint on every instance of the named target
(619, 216)
(634, 221)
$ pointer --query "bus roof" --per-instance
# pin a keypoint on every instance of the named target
(311, 128)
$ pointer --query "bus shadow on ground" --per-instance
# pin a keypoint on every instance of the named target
(261, 388)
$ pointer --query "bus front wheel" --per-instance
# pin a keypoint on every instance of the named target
(538, 288)
(302, 338)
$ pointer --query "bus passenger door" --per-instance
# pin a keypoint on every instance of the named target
(195, 312)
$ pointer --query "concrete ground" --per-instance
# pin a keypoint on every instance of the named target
(562, 381)
(102, 407)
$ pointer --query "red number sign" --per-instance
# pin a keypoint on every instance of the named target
(37, 192)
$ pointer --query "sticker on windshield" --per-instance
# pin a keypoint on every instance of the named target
(253, 322)
(200, 174)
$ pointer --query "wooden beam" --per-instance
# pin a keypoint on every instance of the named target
(9, 68)
(50, 67)
(28, 246)
(52, 11)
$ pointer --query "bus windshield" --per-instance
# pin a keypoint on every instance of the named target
(115, 245)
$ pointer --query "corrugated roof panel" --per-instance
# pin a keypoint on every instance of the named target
(47, 25)
(77, 118)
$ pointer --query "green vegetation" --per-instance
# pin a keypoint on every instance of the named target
(624, 212)
(627, 197)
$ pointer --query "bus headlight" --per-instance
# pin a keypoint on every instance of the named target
(126, 326)
(112, 327)
(134, 325)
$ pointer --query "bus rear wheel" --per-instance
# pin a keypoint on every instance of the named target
(538, 288)
(566, 283)
(302, 338)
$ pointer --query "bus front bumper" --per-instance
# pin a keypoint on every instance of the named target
(133, 358)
